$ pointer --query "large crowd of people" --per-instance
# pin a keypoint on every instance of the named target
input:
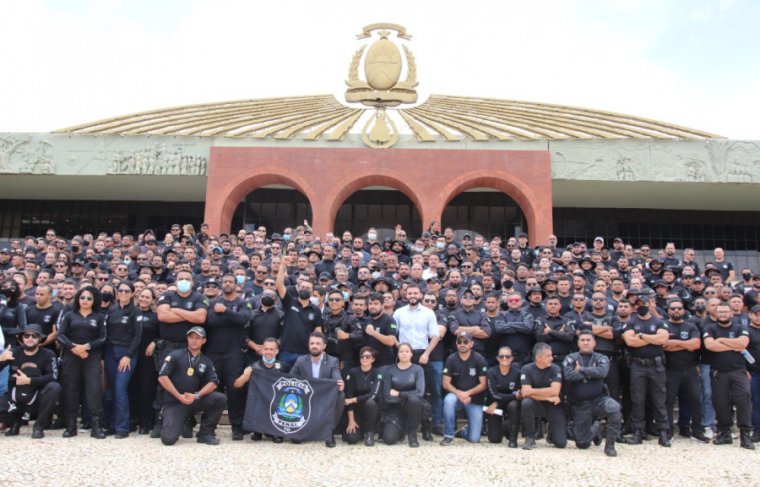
(120, 334)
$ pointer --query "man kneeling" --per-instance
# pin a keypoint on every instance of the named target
(190, 381)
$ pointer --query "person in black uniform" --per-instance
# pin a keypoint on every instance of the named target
(645, 335)
(555, 330)
(380, 332)
(464, 380)
(266, 322)
(227, 317)
(516, 328)
(754, 369)
(178, 311)
(189, 380)
(33, 382)
(403, 393)
(268, 362)
(584, 373)
(123, 334)
(82, 335)
(599, 322)
(342, 330)
(727, 341)
(540, 388)
(363, 386)
(503, 382)
(142, 387)
(682, 365)
(46, 313)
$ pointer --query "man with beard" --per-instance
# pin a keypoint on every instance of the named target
(417, 325)
(727, 341)
(380, 333)
(33, 382)
(645, 335)
(682, 362)
(318, 365)
(302, 317)
(227, 317)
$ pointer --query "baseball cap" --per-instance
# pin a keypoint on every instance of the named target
(197, 329)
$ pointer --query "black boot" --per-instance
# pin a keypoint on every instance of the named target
(412, 437)
(512, 437)
(156, 431)
(237, 433)
(97, 431)
(71, 428)
(39, 430)
(609, 448)
(636, 438)
(369, 439)
(13, 428)
(723, 438)
(745, 438)
(664, 439)
(755, 437)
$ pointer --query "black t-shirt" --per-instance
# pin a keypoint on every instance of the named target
(726, 361)
(645, 327)
(531, 375)
(754, 348)
(466, 374)
(177, 332)
(299, 322)
(265, 324)
(385, 325)
(188, 374)
(46, 318)
(502, 387)
(682, 359)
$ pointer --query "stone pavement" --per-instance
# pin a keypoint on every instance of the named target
(138, 460)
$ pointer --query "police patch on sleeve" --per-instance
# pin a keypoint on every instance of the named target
(168, 358)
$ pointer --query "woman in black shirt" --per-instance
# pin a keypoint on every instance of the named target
(82, 334)
(363, 384)
(403, 391)
(142, 387)
(120, 359)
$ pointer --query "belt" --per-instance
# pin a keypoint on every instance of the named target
(646, 362)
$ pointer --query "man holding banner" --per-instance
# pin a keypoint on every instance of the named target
(305, 406)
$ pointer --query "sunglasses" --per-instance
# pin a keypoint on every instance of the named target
(85, 298)
(366, 355)
(598, 299)
(463, 342)
(504, 356)
(124, 291)
(335, 300)
(676, 309)
(428, 300)
(29, 335)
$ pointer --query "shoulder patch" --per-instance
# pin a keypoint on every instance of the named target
(168, 358)
(379, 376)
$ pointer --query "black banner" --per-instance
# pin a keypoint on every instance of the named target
(299, 409)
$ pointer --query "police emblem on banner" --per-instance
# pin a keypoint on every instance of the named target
(290, 408)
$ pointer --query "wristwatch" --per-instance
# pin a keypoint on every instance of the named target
(197, 396)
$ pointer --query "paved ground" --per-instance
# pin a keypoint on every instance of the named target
(139, 460)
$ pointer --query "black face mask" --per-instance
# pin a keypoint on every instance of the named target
(267, 300)
(451, 304)
(504, 305)
(440, 272)
(454, 285)
(747, 276)
(642, 310)
(304, 294)
(106, 296)
(700, 308)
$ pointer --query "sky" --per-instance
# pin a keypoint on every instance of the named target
(694, 63)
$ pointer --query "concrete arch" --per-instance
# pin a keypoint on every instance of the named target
(235, 190)
(345, 190)
(533, 205)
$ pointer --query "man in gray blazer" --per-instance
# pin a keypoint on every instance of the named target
(319, 365)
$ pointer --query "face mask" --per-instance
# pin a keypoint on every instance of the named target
(375, 275)
(454, 285)
(286, 237)
(75, 249)
(304, 294)
(267, 300)
(371, 236)
(240, 279)
(747, 276)
(55, 294)
(440, 272)
(504, 305)
(700, 308)
(109, 296)
(440, 245)
(314, 300)
(345, 295)
(183, 286)
(268, 362)
(642, 310)
(127, 260)
(418, 249)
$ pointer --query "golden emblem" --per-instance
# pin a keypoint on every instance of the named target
(382, 87)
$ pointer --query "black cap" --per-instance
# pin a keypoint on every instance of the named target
(211, 282)
(325, 276)
(755, 309)
(276, 236)
(34, 328)
(660, 282)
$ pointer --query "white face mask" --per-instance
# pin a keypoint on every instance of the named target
(314, 300)
(371, 236)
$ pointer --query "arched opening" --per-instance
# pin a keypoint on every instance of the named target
(381, 207)
(275, 206)
(484, 211)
